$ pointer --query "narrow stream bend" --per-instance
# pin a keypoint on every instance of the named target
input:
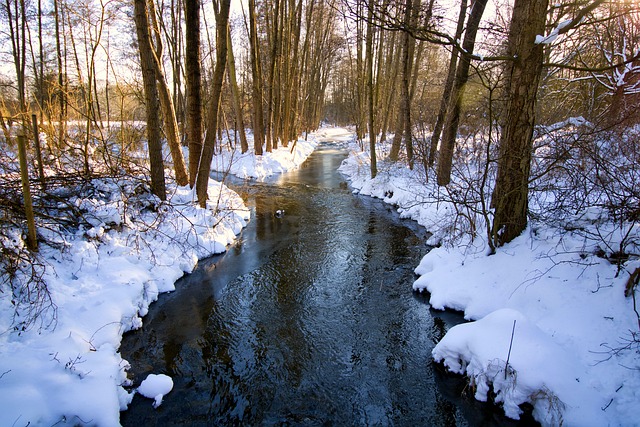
(308, 319)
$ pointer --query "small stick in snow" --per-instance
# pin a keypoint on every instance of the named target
(513, 330)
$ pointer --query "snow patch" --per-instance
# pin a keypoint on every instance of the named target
(156, 387)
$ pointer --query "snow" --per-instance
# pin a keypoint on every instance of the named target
(571, 356)
(102, 279)
(248, 165)
(575, 351)
(554, 34)
(155, 387)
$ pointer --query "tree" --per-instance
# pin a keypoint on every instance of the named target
(403, 124)
(235, 96)
(447, 145)
(222, 32)
(448, 85)
(523, 71)
(371, 96)
(256, 75)
(151, 99)
(510, 198)
(193, 130)
(166, 102)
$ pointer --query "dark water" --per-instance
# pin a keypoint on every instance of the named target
(308, 319)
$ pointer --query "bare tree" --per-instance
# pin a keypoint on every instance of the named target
(256, 75)
(511, 194)
(166, 101)
(147, 63)
(445, 158)
(235, 96)
(448, 85)
(222, 31)
(193, 128)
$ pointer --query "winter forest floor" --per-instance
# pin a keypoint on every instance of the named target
(551, 324)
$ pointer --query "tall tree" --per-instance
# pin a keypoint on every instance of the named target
(236, 99)
(403, 124)
(256, 77)
(448, 85)
(166, 102)
(193, 130)
(371, 95)
(222, 32)
(511, 194)
(61, 92)
(275, 41)
(445, 158)
(151, 99)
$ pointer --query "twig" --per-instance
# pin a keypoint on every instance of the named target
(513, 330)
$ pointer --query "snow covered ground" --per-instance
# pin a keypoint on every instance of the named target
(574, 352)
(102, 281)
(279, 160)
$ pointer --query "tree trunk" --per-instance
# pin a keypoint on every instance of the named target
(403, 124)
(222, 31)
(274, 40)
(151, 99)
(193, 130)
(448, 85)
(447, 146)
(32, 241)
(369, 58)
(60, 89)
(511, 195)
(256, 74)
(166, 103)
(235, 96)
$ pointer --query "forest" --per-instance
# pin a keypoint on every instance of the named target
(512, 112)
(85, 91)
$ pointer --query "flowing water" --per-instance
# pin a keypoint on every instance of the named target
(309, 319)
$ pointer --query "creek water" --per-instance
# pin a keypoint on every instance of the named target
(308, 319)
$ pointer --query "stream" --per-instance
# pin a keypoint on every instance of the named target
(308, 319)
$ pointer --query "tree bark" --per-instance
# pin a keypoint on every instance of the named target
(511, 195)
(151, 99)
(235, 97)
(193, 130)
(32, 241)
(403, 124)
(166, 104)
(448, 85)
(369, 59)
(447, 146)
(256, 74)
(222, 31)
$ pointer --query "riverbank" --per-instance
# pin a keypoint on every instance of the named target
(546, 302)
(66, 368)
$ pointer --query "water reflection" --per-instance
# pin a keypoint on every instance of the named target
(308, 320)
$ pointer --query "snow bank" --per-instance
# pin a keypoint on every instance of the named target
(538, 371)
(102, 283)
(575, 346)
(280, 160)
